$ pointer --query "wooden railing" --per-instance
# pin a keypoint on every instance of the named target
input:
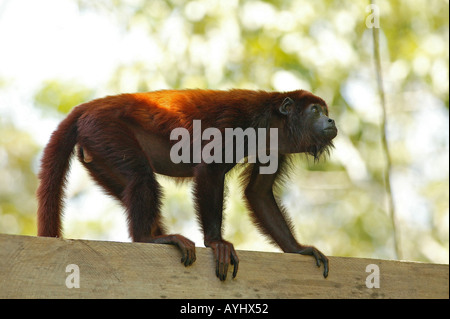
(33, 267)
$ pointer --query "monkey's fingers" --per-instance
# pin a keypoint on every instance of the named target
(186, 246)
(312, 251)
(234, 262)
(223, 260)
(224, 255)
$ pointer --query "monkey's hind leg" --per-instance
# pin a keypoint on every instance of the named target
(142, 197)
(130, 179)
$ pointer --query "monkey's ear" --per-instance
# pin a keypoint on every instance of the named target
(286, 106)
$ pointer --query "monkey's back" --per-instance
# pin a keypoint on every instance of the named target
(162, 111)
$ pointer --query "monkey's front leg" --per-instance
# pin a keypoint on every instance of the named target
(271, 219)
(208, 191)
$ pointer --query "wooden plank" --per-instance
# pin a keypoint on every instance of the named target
(33, 267)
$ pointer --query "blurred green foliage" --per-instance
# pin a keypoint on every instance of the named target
(61, 96)
(18, 151)
(324, 46)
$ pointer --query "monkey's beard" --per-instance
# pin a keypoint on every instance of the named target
(319, 150)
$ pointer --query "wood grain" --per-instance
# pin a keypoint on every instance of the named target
(33, 267)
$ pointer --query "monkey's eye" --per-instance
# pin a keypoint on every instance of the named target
(315, 109)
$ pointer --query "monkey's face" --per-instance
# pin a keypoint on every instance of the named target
(305, 125)
(323, 127)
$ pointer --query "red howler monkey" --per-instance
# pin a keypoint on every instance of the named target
(124, 140)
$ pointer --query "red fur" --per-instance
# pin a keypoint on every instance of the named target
(124, 140)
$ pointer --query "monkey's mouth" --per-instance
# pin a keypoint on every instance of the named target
(330, 132)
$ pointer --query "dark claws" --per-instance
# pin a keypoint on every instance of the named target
(224, 255)
(188, 252)
(186, 246)
(312, 251)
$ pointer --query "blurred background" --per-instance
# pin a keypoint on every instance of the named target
(55, 54)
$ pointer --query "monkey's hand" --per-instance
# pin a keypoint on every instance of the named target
(224, 255)
(186, 246)
(312, 251)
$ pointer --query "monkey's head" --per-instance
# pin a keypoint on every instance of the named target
(305, 126)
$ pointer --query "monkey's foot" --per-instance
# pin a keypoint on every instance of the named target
(312, 251)
(224, 255)
(186, 246)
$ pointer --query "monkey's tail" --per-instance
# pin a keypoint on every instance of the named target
(54, 166)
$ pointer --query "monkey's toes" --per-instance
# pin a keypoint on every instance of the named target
(224, 255)
(312, 251)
